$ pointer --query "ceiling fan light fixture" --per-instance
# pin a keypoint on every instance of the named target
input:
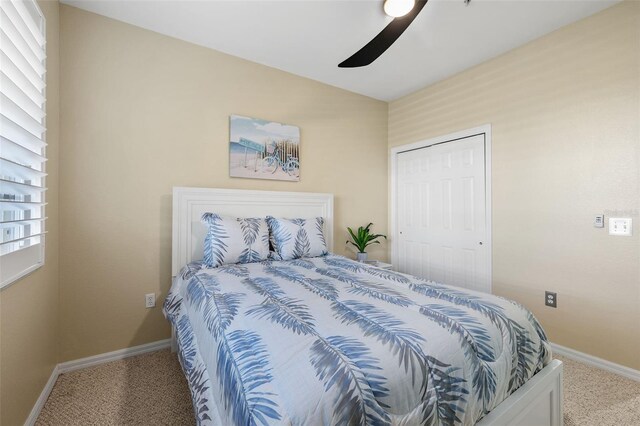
(398, 8)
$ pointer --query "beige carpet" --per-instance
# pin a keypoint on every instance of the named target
(151, 390)
(142, 390)
(599, 398)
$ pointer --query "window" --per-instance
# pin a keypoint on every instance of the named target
(22, 139)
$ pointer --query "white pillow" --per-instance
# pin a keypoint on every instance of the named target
(234, 240)
(297, 238)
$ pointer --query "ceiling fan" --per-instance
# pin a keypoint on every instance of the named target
(403, 12)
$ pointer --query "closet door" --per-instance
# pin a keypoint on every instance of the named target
(441, 213)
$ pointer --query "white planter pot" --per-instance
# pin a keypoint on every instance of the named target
(361, 257)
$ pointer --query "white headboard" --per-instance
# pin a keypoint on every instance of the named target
(190, 203)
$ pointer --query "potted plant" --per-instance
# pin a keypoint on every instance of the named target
(362, 239)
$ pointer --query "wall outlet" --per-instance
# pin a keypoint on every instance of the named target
(150, 300)
(551, 299)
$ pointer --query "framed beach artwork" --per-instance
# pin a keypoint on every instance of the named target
(261, 149)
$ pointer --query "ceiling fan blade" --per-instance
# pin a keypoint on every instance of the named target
(380, 43)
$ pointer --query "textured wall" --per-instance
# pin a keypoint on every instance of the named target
(564, 111)
(29, 307)
(143, 113)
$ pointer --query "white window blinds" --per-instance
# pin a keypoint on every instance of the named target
(22, 138)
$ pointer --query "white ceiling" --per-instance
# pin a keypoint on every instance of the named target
(310, 38)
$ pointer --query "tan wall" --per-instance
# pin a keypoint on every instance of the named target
(29, 307)
(143, 113)
(564, 111)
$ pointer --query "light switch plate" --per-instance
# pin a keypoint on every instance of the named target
(620, 226)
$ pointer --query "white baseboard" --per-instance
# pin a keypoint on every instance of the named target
(37, 407)
(77, 364)
(91, 361)
(603, 364)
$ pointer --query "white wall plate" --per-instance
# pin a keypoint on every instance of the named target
(620, 226)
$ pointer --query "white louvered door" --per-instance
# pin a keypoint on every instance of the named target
(441, 213)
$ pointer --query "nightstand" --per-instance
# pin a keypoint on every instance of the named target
(379, 264)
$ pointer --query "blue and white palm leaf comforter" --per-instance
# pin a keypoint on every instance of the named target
(327, 341)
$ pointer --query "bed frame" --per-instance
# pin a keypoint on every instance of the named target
(536, 403)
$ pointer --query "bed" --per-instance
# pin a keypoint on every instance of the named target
(326, 340)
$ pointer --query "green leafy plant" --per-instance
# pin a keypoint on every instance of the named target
(364, 238)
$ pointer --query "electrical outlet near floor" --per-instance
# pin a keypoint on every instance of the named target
(150, 300)
(551, 299)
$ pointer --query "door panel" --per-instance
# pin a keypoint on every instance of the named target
(441, 213)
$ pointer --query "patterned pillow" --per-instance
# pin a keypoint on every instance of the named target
(296, 238)
(234, 240)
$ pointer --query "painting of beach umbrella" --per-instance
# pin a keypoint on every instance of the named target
(261, 149)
